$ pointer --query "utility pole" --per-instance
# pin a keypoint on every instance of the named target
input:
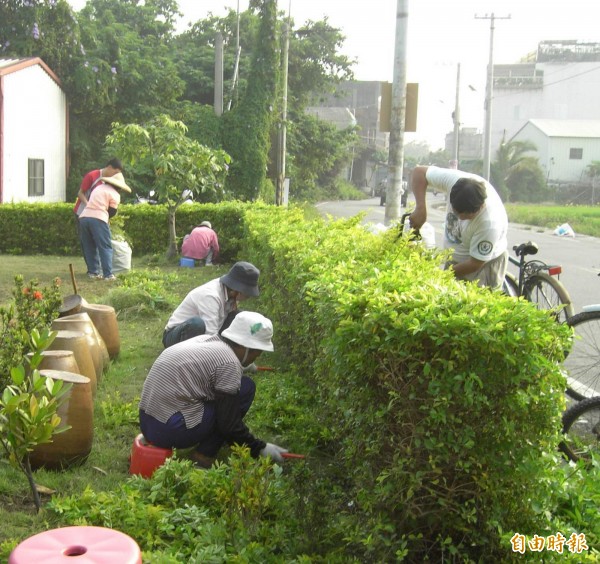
(396, 152)
(456, 119)
(238, 52)
(281, 145)
(219, 74)
(487, 140)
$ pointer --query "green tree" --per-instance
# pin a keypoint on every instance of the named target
(246, 129)
(175, 164)
(516, 175)
(318, 153)
(194, 55)
(126, 73)
(28, 409)
(41, 28)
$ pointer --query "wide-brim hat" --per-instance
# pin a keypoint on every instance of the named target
(117, 181)
(205, 224)
(242, 277)
(252, 330)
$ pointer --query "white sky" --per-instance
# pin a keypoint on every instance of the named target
(441, 33)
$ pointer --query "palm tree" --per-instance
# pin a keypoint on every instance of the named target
(516, 175)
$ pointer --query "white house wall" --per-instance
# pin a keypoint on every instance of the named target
(540, 140)
(570, 91)
(34, 128)
(566, 169)
(554, 154)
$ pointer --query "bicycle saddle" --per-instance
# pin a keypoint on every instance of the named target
(529, 248)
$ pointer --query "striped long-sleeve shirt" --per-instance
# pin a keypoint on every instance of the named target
(190, 373)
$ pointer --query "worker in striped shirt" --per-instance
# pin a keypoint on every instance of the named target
(196, 393)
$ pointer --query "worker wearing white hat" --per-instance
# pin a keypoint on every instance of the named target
(196, 393)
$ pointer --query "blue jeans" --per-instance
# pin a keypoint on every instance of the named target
(193, 327)
(205, 436)
(96, 240)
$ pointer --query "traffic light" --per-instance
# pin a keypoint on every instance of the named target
(410, 113)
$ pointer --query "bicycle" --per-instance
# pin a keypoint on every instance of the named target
(581, 429)
(536, 284)
(582, 362)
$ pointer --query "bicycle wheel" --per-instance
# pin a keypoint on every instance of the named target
(510, 286)
(582, 363)
(549, 294)
(581, 427)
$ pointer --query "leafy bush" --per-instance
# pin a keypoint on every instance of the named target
(28, 409)
(234, 512)
(51, 229)
(32, 308)
(429, 389)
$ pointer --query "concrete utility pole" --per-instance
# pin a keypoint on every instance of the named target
(219, 74)
(282, 138)
(487, 140)
(456, 120)
(238, 51)
(396, 152)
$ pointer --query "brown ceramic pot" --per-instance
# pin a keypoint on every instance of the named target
(78, 343)
(105, 320)
(83, 322)
(77, 410)
(58, 360)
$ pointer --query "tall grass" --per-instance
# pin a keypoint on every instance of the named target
(584, 220)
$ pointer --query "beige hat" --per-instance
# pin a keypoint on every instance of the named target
(205, 224)
(117, 181)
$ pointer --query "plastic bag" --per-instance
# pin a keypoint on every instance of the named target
(121, 256)
(428, 235)
(564, 230)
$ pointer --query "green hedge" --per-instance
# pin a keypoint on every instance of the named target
(439, 401)
(50, 229)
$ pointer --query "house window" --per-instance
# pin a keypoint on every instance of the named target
(36, 177)
(576, 154)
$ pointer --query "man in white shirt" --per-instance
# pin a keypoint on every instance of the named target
(208, 308)
(476, 222)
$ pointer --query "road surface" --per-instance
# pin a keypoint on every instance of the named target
(579, 255)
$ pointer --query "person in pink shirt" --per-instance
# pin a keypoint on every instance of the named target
(201, 244)
(94, 229)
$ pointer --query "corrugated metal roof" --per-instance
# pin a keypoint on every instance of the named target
(9, 62)
(587, 128)
(8, 66)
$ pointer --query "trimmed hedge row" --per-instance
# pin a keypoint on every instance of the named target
(439, 401)
(50, 229)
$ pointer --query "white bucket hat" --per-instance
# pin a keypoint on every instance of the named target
(251, 330)
(205, 224)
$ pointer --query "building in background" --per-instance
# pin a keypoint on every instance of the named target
(470, 145)
(560, 81)
(565, 149)
(33, 133)
(362, 100)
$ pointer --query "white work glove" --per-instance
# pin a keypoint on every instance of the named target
(273, 451)
(250, 368)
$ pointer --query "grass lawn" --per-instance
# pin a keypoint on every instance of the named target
(115, 416)
(585, 220)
